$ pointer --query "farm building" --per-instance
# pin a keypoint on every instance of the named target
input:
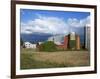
(70, 41)
(56, 38)
(29, 45)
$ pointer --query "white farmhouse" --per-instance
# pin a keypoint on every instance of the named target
(29, 45)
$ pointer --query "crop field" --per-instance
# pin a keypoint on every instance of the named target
(32, 59)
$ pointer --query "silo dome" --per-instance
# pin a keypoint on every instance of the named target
(73, 33)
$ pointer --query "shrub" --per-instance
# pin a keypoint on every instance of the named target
(48, 46)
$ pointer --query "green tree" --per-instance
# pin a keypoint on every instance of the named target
(48, 46)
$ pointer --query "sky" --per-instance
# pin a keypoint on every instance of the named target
(52, 22)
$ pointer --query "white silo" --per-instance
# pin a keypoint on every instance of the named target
(87, 39)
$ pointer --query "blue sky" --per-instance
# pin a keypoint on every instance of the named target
(55, 22)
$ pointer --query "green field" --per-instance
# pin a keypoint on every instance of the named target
(32, 59)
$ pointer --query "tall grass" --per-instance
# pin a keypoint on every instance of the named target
(28, 59)
(28, 62)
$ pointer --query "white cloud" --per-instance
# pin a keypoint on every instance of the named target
(85, 21)
(53, 25)
(73, 22)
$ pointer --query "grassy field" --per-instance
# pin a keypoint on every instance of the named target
(32, 59)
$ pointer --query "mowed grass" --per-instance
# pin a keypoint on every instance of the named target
(32, 59)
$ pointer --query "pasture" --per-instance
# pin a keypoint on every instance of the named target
(32, 59)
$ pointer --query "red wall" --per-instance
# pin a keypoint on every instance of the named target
(65, 45)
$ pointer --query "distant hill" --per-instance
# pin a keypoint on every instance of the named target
(36, 37)
(40, 37)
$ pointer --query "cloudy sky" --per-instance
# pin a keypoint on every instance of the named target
(52, 22)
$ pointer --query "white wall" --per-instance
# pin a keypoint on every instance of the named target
(5, 39)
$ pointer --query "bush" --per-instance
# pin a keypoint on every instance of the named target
(48, 46)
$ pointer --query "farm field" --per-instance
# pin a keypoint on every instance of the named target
(32, 59)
